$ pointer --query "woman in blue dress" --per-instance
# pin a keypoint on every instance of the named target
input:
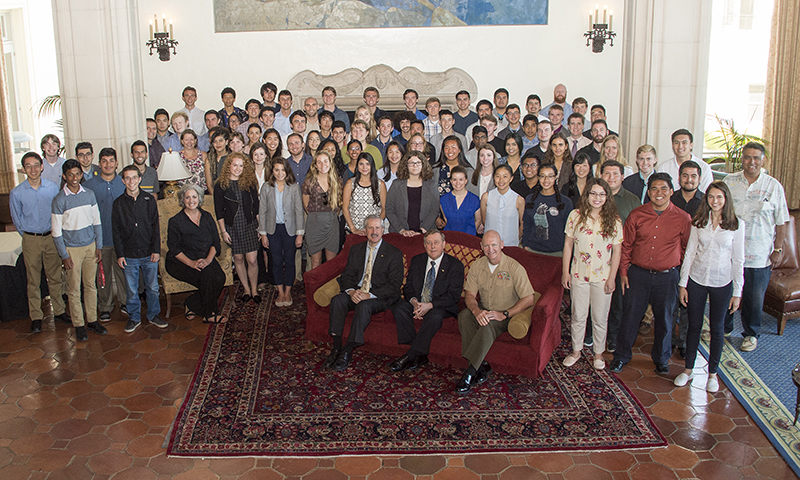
(461, 209)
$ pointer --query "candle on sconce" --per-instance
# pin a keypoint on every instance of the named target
(591, 26)
(151, 29)
(605, 13)
(597, 13)
(610, 19)
(170, 30)
(164, 22)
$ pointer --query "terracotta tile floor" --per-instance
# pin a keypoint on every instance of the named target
(100, 409)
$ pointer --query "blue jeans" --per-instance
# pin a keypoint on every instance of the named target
(149, 271)
(753, 291)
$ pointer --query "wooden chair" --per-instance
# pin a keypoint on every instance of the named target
(168, 208)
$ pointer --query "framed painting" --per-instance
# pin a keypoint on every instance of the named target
(262, 15)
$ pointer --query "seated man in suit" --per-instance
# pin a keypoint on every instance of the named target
(505, 290)
(370, 283)
(433, 288)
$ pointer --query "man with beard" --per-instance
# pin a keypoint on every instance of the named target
(154, 146)
(500, 107)
(559, 98)
(311, 109)
(149, 176)
(599, 132)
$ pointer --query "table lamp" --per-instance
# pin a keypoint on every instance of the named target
(170, 170)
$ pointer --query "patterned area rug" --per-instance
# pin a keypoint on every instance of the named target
(259, 390)
(761, 381)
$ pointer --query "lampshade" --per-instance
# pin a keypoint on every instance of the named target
(172, 168)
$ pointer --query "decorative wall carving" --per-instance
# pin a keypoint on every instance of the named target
(391, 84)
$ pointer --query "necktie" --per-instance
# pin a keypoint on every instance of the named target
(430, 278)
(368, 271)
(574, 148)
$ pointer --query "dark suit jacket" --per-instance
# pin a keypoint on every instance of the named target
(387, 272)
(447, 287)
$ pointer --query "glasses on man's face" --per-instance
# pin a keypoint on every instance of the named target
(529, 165)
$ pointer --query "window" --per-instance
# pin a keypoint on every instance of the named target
(746, 17)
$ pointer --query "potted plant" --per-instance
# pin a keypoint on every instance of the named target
(731, 141)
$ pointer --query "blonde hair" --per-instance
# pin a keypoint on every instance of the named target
(620, 156)
(372, 127)
(334, 186)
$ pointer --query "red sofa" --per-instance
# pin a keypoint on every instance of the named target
(527, 356)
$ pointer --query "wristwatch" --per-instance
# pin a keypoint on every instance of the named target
(505, 313)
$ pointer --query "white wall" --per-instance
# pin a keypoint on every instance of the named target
(523, 59)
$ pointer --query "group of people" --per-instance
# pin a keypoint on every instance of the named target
(633, 236)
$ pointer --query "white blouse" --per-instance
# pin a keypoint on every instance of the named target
(715, 257)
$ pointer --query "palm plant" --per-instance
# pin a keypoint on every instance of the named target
(50, 105)
(732, 141)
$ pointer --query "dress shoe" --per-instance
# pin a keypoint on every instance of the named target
(483, 373)
(80, 334)
(36, 326)
(331, 358)
(97, 328)
(246, 298)
(64, 317)
(418, 362)
(465, 383)
(616, 366)
(343, 361)
(257, 299)
(662, 369)
(401, 363)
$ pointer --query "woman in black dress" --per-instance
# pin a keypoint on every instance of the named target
(236, 204)
(193, 244)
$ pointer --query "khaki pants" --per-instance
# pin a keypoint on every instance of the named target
(82, 272)
(583, 295)
(476, 340)
(38, 252)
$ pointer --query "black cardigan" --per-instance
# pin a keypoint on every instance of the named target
(225, 204)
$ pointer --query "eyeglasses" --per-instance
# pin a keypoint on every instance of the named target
(414, 164)
(529, 165)
(596, 194)
(547, 176)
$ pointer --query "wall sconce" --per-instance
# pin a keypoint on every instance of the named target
(600, 32)
(161, 42)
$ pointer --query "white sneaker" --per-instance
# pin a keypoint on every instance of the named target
(749, 344)
(713, 384)
(682, 379)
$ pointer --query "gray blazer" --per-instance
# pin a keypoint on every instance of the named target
(292, 210)
(475, 188)
(397, 205)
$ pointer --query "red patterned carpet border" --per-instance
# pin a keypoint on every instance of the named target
(259, 390)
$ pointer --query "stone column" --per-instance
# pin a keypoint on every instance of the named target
(100, 74)
(6, 144)
(664, 73)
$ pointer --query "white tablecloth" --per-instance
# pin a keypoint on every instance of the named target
(10, 248)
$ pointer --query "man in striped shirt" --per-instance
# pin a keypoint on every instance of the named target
(77, 233)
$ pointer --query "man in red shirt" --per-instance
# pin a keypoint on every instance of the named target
(655, 235)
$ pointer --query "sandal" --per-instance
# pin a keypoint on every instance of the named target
(217, 319)
(190, 315)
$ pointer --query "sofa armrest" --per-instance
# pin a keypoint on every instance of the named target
(545, 313)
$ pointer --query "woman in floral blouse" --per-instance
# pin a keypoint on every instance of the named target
(593, 248)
